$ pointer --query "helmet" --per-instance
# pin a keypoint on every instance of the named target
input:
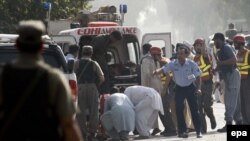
(239, 39)
(155, 50)
(199, 41)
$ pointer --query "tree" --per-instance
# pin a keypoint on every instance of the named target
(13, 11)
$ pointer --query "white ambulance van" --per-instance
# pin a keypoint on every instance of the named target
(125, 54)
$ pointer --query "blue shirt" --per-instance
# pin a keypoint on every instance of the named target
(225, 53)
(183, 75)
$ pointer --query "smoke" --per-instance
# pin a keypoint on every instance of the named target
(148, 11)
(187, 19)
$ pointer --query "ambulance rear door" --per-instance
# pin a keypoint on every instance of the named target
(159, 40)
(64, 41)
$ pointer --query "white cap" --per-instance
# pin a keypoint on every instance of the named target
(187, 44)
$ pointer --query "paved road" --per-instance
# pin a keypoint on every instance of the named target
(212, 135)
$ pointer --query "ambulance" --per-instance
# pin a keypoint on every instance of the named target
(124, 57)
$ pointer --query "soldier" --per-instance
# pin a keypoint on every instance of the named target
(89, 76)
(35, 99)
(205, 101)
(243, 63)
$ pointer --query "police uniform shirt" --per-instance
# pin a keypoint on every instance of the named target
(70, 57)
(183, 75)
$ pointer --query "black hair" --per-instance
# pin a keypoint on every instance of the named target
(116, 34)
(146, 47)
(114, 90)
(73, 49)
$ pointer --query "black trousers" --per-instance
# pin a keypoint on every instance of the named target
(188, 93)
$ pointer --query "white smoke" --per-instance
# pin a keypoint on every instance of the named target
(145, 14)
(185, 19)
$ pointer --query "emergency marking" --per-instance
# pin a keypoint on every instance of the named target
(98, 30)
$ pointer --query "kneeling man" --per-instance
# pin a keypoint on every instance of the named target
(119, 117)
(148, 103)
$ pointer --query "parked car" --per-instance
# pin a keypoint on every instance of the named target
(52, 55)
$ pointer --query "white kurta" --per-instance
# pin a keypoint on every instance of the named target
(148, 103)
(147, 78)
(118, 113)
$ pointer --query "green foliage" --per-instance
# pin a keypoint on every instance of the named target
(13, 11)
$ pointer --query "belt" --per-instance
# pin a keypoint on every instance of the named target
(184, 87)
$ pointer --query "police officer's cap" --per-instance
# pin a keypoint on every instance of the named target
(30, 31)
(87, 49)
(219, 36)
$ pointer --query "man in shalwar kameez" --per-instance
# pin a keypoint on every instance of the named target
(119, 117)
(148, 103)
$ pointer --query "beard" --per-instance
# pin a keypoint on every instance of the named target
(237, 47)
(198, 52)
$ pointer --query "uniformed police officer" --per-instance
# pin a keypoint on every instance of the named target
(89, 76)
(185, 73)
(34, 98)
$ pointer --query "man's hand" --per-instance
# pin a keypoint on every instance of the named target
(157, 71)
(198, 92)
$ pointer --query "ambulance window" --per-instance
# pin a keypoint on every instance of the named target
(157, 43)
(132, 52)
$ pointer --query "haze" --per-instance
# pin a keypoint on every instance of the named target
(185, 19)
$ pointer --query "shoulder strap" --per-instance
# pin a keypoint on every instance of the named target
(21, 102)
(83, 70)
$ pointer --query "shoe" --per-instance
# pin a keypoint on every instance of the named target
(141, 137)
(203, 131)
(223, 129)
(213, 123)
(199, 135)
(163, 132)
(183, 135)
(168, 134)
(155, 131)
(190, 130)
(135, 132)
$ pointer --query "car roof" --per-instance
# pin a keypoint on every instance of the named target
(11, 38)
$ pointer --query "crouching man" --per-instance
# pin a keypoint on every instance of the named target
(148, 103)
(119, 117)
